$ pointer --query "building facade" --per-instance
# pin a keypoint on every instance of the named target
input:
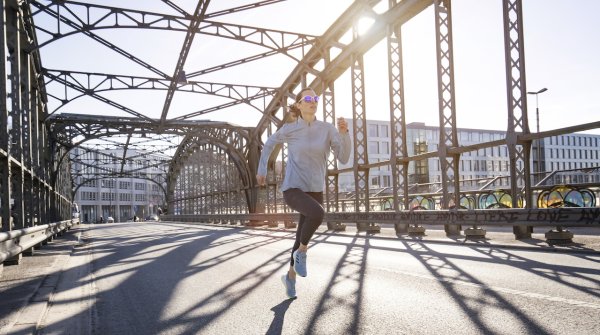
(101, 193)
(567, 154)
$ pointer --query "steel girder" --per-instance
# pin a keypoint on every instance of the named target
(447, 109)
(350, 56)
(231, 143)
(315, 68)
(519, 153)
(106, 17)
(331, 40)
(73, 17)
(33, 190)
(75, 129)
(209, 182)
(397, 116)
(91, 84)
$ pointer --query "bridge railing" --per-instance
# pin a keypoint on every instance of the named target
(15, 242)
(540, 217)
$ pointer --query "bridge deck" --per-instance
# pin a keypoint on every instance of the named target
(52, 273)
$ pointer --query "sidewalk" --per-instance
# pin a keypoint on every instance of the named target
(26, 288)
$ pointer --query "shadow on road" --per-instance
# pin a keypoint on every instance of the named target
(277, 325)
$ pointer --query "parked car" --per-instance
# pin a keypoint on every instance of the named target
(152, 217)
(110, 219)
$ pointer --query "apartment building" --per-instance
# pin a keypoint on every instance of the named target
(100, 194)
(558, 153)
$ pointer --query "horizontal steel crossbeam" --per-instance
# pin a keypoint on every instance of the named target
(565, 217)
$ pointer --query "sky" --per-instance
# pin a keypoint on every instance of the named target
(562, 48)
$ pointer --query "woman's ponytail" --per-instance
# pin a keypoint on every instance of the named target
(295, 111)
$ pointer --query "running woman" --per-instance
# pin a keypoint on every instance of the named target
(309, 143)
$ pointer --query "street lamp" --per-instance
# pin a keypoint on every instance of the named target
(537, 121)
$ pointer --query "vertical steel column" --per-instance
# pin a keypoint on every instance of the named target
(359, 123)
(268, 196)
(397, 120)
(170, 194)
(332, 190)
(212, 176)
(37, 111)
(221, 180)
(284, 154)
(13, 29)
(37, 201)
(228, 177)
(183, 175)
(27, 110)
(5, 188)
(36, 116)
(44, 214)
(447, 113)
(519, 155)
(200, 181)
(251, 190)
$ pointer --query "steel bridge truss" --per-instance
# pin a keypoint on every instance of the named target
(210, 167)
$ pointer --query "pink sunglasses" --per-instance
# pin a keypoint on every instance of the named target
(309, 98)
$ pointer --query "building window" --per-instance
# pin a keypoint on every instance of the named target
(375, 181)
(91, 183)
(125, 197)
(106, 196)
(383, 131)
(385, 147)
(108, 183)
(373, 147)
(372, 130)
(140, 186)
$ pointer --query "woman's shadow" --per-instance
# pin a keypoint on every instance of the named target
(279, 310)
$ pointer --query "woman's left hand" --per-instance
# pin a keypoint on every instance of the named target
(342, 125)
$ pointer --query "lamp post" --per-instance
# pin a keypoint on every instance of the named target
(537, 121)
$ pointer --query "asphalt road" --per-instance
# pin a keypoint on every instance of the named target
(161, 278)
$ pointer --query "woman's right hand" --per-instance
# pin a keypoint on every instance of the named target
(260, 180)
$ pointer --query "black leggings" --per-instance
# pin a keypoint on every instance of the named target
(310, 207)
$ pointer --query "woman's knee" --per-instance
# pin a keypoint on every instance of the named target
(317, 214)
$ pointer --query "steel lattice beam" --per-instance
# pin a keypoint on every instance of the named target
(90, 84)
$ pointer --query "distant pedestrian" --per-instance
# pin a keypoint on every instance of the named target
(309, 143)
